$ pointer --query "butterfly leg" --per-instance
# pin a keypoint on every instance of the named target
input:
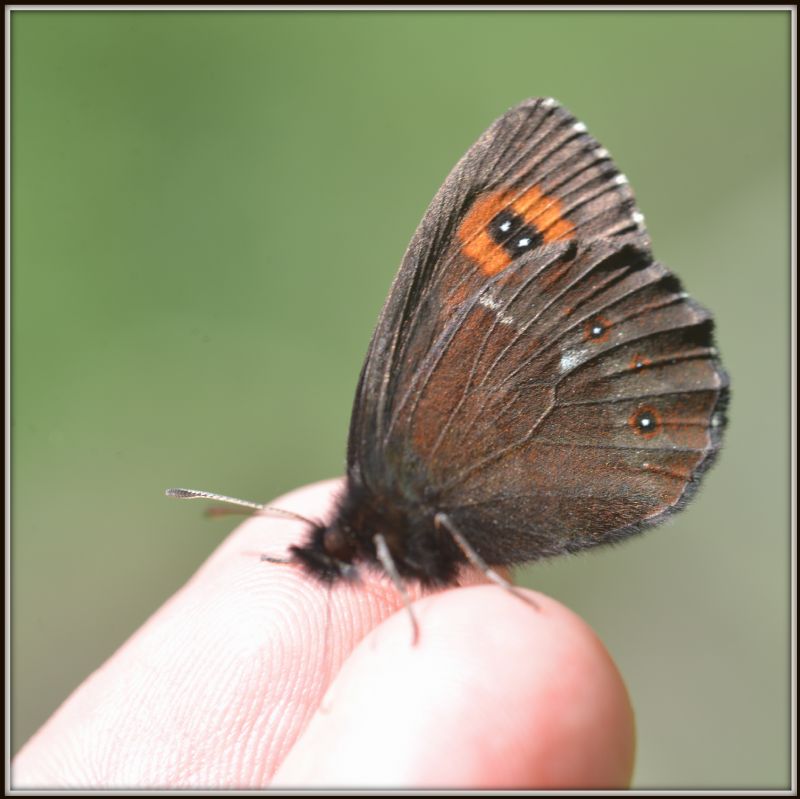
(273, 559)
(442, 520)
(385, 557)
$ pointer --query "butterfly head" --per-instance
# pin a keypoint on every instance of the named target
(333, 549)
(328, 553)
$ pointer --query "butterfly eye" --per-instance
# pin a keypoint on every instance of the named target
(646, 422)
(337, 545)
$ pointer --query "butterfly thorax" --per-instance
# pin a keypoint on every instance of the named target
(419, 550)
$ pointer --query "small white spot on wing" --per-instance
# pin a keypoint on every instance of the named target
(579, 127)
(487, 301)
(570, 359)
(620, 179)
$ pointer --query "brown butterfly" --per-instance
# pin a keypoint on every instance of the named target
(537, 383)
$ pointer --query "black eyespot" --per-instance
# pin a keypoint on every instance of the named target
(504, 225)
(513, 234)
(646, 422)
(596, 329)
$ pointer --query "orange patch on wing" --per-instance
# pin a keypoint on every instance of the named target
(545, 213)
(532, 206)
(476, 242)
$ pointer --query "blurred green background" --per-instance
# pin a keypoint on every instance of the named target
(208, 210)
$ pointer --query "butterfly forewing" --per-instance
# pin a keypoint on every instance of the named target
(534, 178)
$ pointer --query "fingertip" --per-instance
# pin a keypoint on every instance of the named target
(495, 695)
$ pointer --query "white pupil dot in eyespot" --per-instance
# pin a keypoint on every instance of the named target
(645, 421)
(597, 330)
(505, 226)
(523, 242)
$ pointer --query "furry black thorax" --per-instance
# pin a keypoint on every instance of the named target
(419, 549)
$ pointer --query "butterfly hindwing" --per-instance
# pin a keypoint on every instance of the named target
(564, 418)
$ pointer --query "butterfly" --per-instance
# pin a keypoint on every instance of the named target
(537, 383)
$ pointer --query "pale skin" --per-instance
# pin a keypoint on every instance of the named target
(254, 675)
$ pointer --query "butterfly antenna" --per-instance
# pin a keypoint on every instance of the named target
(191, 493)
(385, 557)
(442, 520)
